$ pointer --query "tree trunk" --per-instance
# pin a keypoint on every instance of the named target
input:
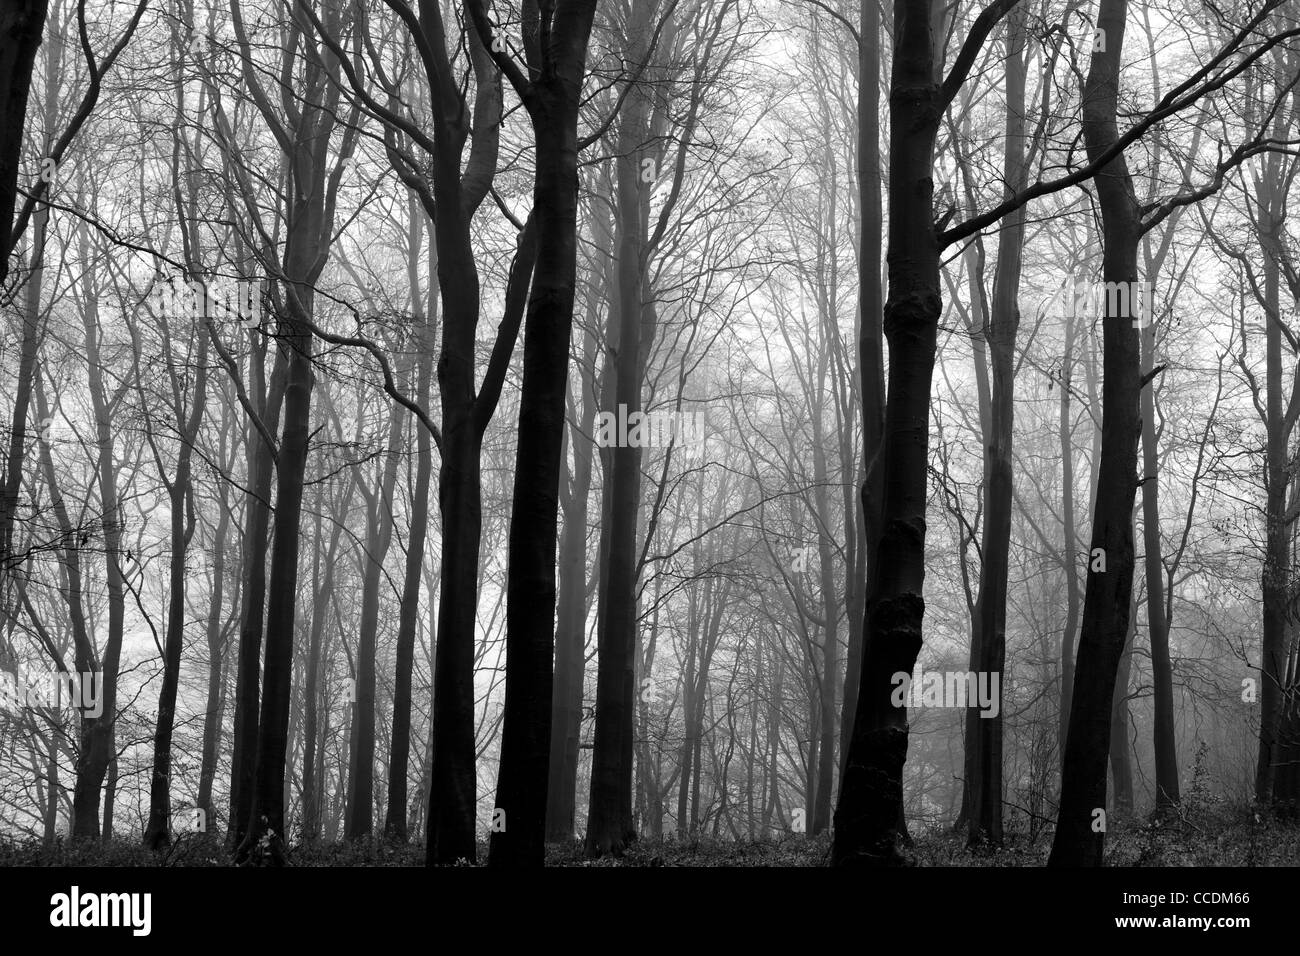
(571, 627)
(985, 810)
(267, 817)
(180, 493)
(1121, 761)
(530, 589)
(257, 522)
(1078, 842)
(1275, 577)
(871, 792)
(96, 758)
(395, 822)
(379, 535)
(21, 26)
(214, 709)
(312, 781)
(1166, 746)
(1070, 551)
(870, 353)
(21, 23)
(610, 825)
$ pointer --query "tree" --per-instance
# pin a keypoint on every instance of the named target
(556, 56)
(21, 25)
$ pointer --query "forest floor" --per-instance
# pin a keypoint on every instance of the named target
(1199, 836)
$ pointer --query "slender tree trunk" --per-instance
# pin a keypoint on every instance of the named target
(97, 758)
(985, 818)
(21, 26)
(1166, 747)
(1078, 842)
(1070, 547)
(379, 535)
(21, 23)
(395, 823)
(821, 806)
(530, 589)
(870, 352)
(571, 615)
(1275, 577)
(609, 820)
(312, 771)
(257, 522)
(214, 708)
(1121, 761)
(157, 833)
(267, 817)
(871, 792)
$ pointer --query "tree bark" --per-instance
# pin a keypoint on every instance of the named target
(530, 590)
(21, 26)
(870, 353)
(180, 494)
(985, 812)
(1165, 743)
(1121, 761)
(379, 535)
(610, 826)
(257, 523)
(395, 822)
(1078, 841)
(871, 792)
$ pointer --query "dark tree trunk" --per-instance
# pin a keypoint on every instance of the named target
(359, 816)
(1106, 608)
(1165, 743)
(97, 758)
(530, 589)
(985, 807)
(214, 708)
(871, 794)
(870, 353)
(257, 523)
(395, 822)
(21, 26)
(311, 778)
(1121, 761)
(157, 833)
(610, 826)
(1275, 583)
(1070, 553)
(267, 817)
(464, 419)
(571, 614)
